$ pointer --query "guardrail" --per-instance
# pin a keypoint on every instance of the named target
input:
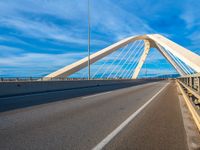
(192, 83)
(190, 88)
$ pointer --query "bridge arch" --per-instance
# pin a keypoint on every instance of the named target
(151, 41)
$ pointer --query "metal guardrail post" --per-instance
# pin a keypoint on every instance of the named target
(193, 86)
(190, 83)
(198, 81)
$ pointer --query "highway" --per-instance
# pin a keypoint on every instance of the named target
(142, 117)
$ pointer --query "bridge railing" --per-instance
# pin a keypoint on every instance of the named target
(192, 83)
(190, 88)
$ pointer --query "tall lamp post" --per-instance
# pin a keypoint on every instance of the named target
(88, 39)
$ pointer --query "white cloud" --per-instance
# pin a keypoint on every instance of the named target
(7, 50)
(64, 9)
(107, 18)
(46, 30)
(13, 16)
(40, 60)
(115, 20)
(191, 15)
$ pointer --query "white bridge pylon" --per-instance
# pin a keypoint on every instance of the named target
(157, 41)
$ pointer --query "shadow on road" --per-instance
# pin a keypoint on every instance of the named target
(22, 101)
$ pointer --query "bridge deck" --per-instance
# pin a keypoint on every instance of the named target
(83, 122)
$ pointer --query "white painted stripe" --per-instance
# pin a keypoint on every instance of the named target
(95, 95)
(108, 138)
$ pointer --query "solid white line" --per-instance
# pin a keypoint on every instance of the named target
(108, 138)
(95, 95)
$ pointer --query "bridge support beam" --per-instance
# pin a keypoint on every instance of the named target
(142, 59)
(186, 56)
(198, 82)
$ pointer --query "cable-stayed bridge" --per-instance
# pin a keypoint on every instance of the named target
(125, 58)
(113, 110)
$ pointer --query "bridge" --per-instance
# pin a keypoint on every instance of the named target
(115, 109)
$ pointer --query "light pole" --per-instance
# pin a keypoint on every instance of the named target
(88, 39)
(145, 70)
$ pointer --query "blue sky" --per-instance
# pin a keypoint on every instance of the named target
(40, 36)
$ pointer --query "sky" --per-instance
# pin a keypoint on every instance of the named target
(41, 36)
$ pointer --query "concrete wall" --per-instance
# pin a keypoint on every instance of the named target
(28, 87)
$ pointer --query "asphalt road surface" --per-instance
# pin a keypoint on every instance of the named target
(142, 117)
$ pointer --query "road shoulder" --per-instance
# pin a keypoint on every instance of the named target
(193, 135)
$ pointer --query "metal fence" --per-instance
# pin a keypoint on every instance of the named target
(192, 83)
(190, 88)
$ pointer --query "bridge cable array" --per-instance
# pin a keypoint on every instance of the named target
(123, 58)
(134, 62)
(182, 65)
(122, 66)
(127, 60)
(122, 63)
(114, 61)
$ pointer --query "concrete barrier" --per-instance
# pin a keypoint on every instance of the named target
(28, 87)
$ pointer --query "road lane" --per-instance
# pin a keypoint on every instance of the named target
(72, 124)
(115, 132)
(159, 126)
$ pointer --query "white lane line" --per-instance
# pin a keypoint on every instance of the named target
(95, 95)
(108, 138)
